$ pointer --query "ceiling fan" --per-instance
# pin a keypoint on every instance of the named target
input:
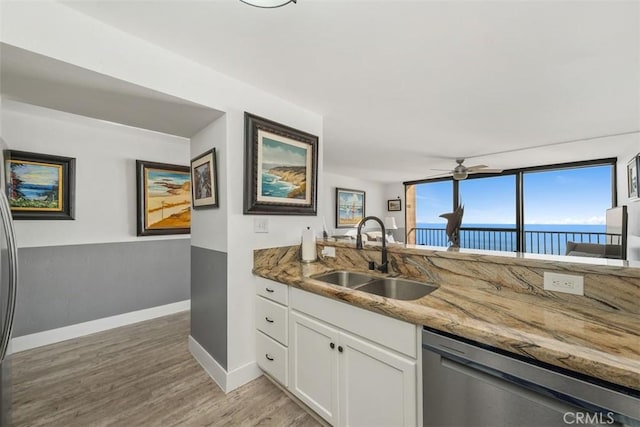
(461, 172)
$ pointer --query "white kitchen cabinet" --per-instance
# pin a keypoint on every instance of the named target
(314, 365)
(377, 387)
(349, 380)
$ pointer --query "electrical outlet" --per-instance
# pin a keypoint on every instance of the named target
(260, 225)
(564, 283)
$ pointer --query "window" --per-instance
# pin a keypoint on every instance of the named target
(563, 205)
(558, 204)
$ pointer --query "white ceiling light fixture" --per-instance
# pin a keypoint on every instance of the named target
(268, 4)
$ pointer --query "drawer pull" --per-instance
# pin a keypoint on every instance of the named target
(332, 345)
(268, 320)
(340, 348)
(268, 356)
(270, 290)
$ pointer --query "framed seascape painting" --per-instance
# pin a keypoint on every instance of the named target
(40, 186)
(281, 169)
(633, 178)
(164, 198)
(350, 207)
(204, 180)
(394, 205)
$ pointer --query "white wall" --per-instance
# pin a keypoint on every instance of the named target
(375, 204)
(105, 155)
(210, 224)
(53, 30)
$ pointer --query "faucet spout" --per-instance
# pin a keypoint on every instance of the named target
(384, 265)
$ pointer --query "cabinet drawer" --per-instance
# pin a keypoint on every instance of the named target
(272, 357)
(274, 291)
(271, 318)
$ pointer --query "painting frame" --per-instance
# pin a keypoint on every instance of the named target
(293, 186)
(208, 176)
(143, 167)
(347, 193)
(65, 190)
(394, 205)
(633, 177)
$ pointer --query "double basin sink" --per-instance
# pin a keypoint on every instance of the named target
(390, 287)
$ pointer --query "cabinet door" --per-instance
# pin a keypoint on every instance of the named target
(313, 353)
(377, 387)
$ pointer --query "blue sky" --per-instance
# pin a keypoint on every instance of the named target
(570, 196)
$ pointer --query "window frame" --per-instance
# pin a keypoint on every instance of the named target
(519, 177)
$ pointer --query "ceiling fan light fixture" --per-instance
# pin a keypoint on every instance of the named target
(458, 175)
(460, 172)
(268, 4)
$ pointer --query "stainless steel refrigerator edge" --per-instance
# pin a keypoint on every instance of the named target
(8, 289)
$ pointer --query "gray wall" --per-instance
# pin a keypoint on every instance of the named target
(209, 301)
(65, 285)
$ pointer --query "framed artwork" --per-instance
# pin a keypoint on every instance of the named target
(204, 180)
(394, 205)
(164, 198)
(350, 207)
(40, 186)
(633, 180)
(281, 169)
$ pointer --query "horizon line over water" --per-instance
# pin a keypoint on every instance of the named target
(592, 228)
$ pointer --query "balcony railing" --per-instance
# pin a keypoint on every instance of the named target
(506, 239)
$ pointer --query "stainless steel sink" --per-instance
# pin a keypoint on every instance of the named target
(390, 287)
(396, 288)
(348, 279)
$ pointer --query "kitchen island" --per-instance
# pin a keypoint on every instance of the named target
(495, 300)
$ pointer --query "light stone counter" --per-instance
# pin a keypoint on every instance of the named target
(495, 300)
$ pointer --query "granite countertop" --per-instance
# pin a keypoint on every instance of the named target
(598, 343)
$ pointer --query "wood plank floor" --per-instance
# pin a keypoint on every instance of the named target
(138, 375)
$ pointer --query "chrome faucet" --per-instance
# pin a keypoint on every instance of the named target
(384, 267)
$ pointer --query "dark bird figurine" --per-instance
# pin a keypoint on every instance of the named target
(454, 221)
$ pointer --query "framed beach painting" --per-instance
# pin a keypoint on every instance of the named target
(350, 207)
(633, 178)
(281, 169)
(394, 205)
(40, 186)
(204, 180)
(164, 198)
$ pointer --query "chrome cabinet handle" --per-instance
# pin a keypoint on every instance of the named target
(269, 358)
(268, 320)
(269, 290)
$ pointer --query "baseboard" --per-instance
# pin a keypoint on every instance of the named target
(242, 375)
(227, 381)
(52, 336)
(217, 373)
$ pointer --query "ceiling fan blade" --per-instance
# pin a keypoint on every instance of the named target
(444, 170)
(486, 171)
(476, 167)
(440, 175)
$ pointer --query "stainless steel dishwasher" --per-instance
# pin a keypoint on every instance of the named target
(469, 384)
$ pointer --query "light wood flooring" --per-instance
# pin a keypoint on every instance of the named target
(138, 375)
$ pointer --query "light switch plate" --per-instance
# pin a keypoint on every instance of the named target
(260, 225)
(567, 283)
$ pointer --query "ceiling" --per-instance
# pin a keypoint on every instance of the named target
(40, 80)
(406, 86)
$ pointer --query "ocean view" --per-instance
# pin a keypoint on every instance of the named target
(539, 238)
